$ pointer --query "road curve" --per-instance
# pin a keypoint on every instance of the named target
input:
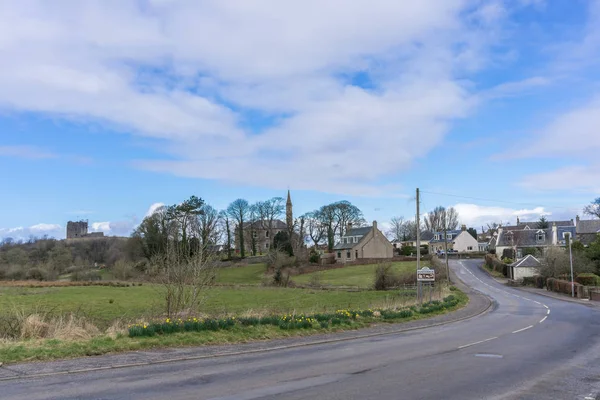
(528, 347)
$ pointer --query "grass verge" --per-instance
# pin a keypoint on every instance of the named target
(492, 272)
(51, 349)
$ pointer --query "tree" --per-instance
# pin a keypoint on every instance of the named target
(208, 225)
(225, 219)
(282, 242)
(396, 231)
(238, 210)
(183, 215)
(153, 233)
(440, 219)
(543, 223)
(473, 232)
(269, 211)
(346, 213)
(327, 215)
(593, 209)
(315, 226)
(253, 222)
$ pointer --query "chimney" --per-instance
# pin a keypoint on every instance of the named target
(554, 234)
(374, 224)
(463, 227)
(348, 227)
(577, 220)
(518, 221)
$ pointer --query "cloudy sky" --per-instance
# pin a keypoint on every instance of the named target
(109, 107)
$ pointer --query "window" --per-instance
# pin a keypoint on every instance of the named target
(339, 254)
(355, 239)
(356, 254)
(348, 254)
(266, 245)
(540, 236)
(470, 248)
(436, 237)
(254, 235)
(266, 234)
(449, 236)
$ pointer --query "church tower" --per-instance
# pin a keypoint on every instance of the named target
(289, 216)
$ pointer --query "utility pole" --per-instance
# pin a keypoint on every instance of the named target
(418, 220)
(446, 248)
(571, 261)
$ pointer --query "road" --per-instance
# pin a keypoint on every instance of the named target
(528, 347)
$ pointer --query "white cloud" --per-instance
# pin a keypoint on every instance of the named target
(38, 230)
(580, 178)
(190, 73)
(152, 209)
(474, 215)
(29, 152)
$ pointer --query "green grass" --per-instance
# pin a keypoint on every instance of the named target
(362, 276)
(48, 349)
(130, 303)
(249, 275)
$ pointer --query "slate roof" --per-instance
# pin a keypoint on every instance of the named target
(561, 230)
(362, 231)
(588, 226)
(264, 224)
(525, 238)
(527, 261)
(533, 225)
(454, 234)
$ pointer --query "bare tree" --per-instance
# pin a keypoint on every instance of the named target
(226, 222)
(184, 277)
(207, 226)
(347, 213)
(269, 211)
(593, 209)
(328, 218)
(315, 226)
(238, 210)
(440, 219)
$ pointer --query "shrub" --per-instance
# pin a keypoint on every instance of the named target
(314, 258)
(385, 278)
(588, 279)
(529, 281)
(86, 276)
(122, 270)
(37, 274)
(539, 281)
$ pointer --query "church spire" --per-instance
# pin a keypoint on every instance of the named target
(289, 216)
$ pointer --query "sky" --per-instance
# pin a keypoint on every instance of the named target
(109, 108)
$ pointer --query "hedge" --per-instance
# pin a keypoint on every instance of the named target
(588, 279)
(561, 286)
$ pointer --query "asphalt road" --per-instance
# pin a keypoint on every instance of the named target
(528, 347)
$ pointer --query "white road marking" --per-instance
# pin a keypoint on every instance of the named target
(548, 312)
(543, 319)
(524, 329)
(545, 305)
(537, 302)
(473, 344)
(489, 355)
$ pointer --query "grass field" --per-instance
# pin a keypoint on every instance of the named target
(94, 302)
(249, 275)
(362, 276)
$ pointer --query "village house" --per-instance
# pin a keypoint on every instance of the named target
(459, 241)
(364, 242)
(587, 230)
(525, 267)
(527, 236)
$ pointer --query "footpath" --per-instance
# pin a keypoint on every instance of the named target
(478, 304)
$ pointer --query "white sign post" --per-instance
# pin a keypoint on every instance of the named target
(424, 275)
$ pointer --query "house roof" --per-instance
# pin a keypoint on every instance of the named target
(527, 261)
(588, 226)
(525, 238)
(362, 231)
(264, 224)
(441, 239)
(534, 225)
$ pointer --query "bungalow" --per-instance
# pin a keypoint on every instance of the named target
(364, 242)
(525, 267)
(459, 241)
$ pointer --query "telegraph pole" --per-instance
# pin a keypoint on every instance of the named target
(571, 261)
(418, 220)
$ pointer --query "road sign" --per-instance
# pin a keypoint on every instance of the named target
(425, 275)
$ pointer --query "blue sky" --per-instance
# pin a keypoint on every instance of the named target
(489, 106)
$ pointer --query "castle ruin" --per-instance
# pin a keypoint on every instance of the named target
(79, 230)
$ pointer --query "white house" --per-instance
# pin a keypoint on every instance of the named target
(459, 241)
(525, 267)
